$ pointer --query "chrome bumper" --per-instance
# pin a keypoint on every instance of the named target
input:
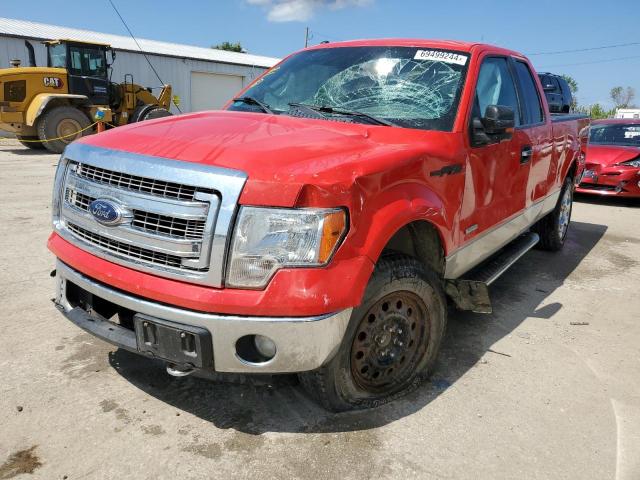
(303, 343)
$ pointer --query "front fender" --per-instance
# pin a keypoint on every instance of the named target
(394, 208)
(40, 101)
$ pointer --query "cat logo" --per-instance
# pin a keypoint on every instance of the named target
(53, 82)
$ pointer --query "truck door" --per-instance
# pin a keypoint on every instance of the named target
(87, 67)
(535, 132)
(496, 176)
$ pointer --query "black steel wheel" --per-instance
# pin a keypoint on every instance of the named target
(391, 342)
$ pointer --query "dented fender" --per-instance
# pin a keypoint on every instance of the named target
(395, 208)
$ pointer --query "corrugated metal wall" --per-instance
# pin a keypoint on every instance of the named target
(175, 71)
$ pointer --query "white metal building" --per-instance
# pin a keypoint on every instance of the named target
(633, 113)
(203, 78)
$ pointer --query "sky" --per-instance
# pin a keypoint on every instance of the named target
(277, 27)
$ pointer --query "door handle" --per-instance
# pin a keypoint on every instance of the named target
(525, 154)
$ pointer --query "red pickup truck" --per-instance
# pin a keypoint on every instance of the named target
(323, 221)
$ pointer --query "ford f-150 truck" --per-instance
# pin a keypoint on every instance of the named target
(323, 221)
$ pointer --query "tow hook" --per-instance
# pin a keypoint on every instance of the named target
(179, 370)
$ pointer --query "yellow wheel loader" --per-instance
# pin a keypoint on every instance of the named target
(49, 107)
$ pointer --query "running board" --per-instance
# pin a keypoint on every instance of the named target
(472, 292)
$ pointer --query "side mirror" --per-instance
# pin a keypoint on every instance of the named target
(494, 127)
(498, 119)
(113, 57)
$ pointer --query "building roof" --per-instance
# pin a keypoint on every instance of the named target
(42, 31)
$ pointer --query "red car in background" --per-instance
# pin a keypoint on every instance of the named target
(613, 159)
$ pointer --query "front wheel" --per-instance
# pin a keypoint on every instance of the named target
(391, 342)
(554, 226)
(60, 126)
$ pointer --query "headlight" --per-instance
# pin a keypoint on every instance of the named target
(267, 239)
(632, 163)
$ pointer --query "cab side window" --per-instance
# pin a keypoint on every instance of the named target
(88, 62)
(495, 86)
(532, 106)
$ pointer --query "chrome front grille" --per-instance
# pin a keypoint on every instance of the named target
(174, 227)
(139, 184)
(130, 251)
(151, 222)
(174, 218)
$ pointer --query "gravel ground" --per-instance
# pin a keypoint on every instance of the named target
(545, 387)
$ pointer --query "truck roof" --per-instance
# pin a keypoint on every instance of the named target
(419, 42)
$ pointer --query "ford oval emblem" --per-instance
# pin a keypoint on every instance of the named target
(105, 212)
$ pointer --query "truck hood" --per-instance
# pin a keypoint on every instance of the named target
(608, 155)
(279, 153)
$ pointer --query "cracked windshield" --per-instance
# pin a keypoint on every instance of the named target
(401, 86)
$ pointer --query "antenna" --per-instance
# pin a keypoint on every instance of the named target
(139, 47)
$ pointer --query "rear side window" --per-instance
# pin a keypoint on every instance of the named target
(548, 82)
(532, 108)
(566, 90)
(495, 87)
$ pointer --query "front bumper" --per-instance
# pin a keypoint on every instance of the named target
(302, 343)
(611, 181)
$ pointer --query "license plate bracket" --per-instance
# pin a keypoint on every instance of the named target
(174, 342)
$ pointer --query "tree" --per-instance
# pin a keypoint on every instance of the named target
(231, 47)
(596, 111)
(573, 86)
(622, 97)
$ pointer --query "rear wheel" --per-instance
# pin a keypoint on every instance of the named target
(554, 226)
(31, 142)
(391, 342)
(60, 126)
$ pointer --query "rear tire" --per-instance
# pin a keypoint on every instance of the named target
(62, 122)
(553, 227)
(31, 142)
(157, 112)
(391, 342)
(148, 112)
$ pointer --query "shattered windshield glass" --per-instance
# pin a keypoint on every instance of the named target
(407, 86)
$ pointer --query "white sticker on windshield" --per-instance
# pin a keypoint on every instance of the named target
(440, 56)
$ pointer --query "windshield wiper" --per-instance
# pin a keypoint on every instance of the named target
(254, 101)
(312, 109)
(349, 113)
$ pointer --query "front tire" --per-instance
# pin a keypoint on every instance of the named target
(391, 342)
(60, 126)
(553, 228)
